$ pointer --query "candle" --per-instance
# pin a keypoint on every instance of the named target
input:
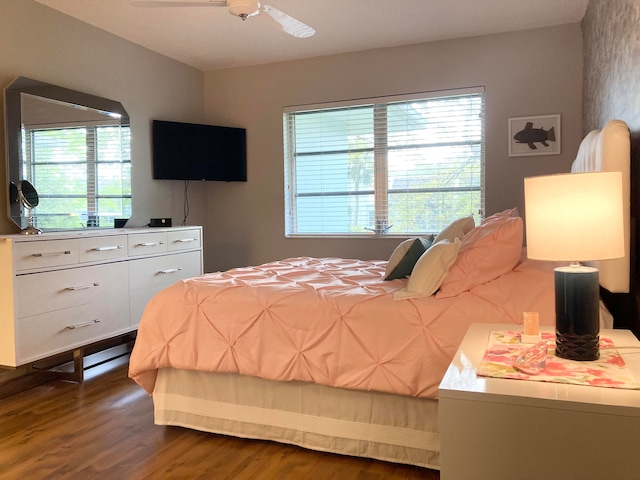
(530, 322)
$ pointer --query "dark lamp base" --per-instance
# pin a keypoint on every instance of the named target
(577, 347)
(577, 313)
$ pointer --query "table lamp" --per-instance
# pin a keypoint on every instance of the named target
(575, 217)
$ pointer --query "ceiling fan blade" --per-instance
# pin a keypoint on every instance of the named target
(160, 3)
(289, 24)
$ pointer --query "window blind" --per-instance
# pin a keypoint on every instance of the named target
(395, 165)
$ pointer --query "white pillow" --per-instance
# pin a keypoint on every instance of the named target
(430, 270)
(456, 229)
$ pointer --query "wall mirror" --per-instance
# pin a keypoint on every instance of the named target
(74, 148)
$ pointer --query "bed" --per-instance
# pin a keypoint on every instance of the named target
(339, 355)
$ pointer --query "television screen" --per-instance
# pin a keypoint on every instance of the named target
(189, 151)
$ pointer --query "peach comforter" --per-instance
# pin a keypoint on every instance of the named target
(325, 320)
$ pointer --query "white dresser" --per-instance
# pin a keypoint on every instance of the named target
(65, 290)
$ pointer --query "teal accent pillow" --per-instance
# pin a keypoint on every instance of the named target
(403, 259)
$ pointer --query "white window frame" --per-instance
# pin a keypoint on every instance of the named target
(380, 227)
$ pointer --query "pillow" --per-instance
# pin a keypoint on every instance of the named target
(456, 229)
(430, 270)
(496, 217)
(488, 251)
(405, 256)
(399, 252)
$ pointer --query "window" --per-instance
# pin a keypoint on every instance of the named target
(385, 166)
(89, 163)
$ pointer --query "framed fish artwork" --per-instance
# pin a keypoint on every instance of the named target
(534, 135)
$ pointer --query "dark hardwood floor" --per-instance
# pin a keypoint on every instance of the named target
(103, 429)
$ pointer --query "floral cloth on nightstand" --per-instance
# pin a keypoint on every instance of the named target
(609, 371)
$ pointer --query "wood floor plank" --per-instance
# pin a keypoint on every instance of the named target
(103, 429)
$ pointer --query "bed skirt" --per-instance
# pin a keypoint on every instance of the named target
(376, 425)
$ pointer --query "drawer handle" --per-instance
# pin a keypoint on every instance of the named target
(85, 324)
(51, 254)
(171, 270)
(149, 244)
(83, 287)
(104, 249)
(185, 240)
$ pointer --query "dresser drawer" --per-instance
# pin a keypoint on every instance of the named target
(147, 279)
(40, 336)
(56, 290)
(95, 249)
(43, 254)
(147, 243)
(183, 239)
(159, 272)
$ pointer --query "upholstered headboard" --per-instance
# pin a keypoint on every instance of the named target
(609, 149)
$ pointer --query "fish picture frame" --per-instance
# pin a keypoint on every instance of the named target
(538, 135)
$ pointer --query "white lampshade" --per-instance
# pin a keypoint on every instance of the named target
(574, 217)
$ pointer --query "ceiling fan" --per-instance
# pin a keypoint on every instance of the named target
(240, 8)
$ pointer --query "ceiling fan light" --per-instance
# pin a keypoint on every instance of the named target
(243, 8)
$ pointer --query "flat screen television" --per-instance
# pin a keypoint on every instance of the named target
(190, 151)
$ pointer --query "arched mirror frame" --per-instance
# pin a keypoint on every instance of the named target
(13, 125)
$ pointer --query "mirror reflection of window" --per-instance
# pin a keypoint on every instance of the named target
(83, 174)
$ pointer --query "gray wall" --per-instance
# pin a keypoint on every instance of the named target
(41, 43)
(534, 72)
(611, 33)
(612, 91)
(612, 63)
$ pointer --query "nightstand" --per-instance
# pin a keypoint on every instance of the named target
(493, 428)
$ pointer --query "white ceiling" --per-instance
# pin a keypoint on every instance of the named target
(210, 38)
